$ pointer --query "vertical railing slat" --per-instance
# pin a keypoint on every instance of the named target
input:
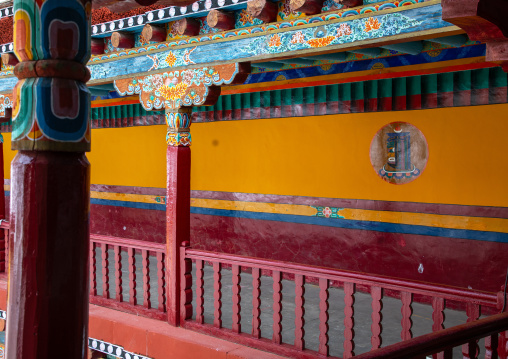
(145, 263)
(502, 347)
(277, 307)
(349, 321)
(217, 294)
(118, 273)
(470, 350)
(161, 281)
(407, 311)
(256, 303)
(376, 327)
(491, 344)
(438, 306)
(132, 276)
(185, 285)
(93, 270)
(299, 311)
(324, 285)
(237, 327)
(200, 292)
(105, 270)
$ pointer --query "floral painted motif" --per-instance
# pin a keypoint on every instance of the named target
(328, 212)
(172, 90)
(332, 34)
(274, 41)
(171, 59)
(244, 19)
(344, 30)
(285, 12)
(372, 24)
(5, 103)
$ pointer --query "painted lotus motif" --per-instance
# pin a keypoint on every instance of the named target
(172, 90)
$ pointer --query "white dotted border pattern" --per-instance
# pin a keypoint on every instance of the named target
(112, 349)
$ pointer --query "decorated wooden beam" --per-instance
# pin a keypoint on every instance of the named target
(187, 27)
(50, 181)
(298, 61)
(264, 10)
(9, 59)
(483, 20)
(309, 7)
(497, 52)
(336, 56)
(368, 51)
(177, 92)
(219, 19)
(349, 3)
(97, 46)
(6, 107)
(411, 48)
(269, 65)
(412, 22)
(455, 41)
(154, 33)
(122, 39)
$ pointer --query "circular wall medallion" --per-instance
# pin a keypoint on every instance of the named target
(399, 153)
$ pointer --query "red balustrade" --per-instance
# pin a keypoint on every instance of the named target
(377, 286)
(140, 255)
(127, 249)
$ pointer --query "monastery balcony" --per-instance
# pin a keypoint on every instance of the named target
(288, 309)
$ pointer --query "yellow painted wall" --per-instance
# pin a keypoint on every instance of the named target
(325, 156)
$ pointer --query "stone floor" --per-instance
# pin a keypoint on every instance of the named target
(391, 322)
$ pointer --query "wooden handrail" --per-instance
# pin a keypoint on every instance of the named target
(132, 243)
(438, 341)
(450, 293)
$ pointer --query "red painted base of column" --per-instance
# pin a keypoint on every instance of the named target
(178, 223)
(48, 286)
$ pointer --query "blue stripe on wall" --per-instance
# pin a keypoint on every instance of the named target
(363, 225)
(327, 222)
(140, 205)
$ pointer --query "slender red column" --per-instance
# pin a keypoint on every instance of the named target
(50, 186)
(3, 245)
(177, 203)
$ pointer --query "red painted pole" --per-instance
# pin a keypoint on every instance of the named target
(3, 243)
(50, 187)
(177, 203)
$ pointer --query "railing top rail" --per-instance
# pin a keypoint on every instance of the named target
(4, 224)
(447, 292)
(124, 242)
(443, 339)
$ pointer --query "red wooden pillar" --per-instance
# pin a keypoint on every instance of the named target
(50, 187)
(177, 202)
(2, 207)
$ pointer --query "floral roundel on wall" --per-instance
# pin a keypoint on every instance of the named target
(399, 153)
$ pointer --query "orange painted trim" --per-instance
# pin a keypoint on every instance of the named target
(130, 100)
(401, 71)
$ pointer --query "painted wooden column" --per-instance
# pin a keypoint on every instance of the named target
(177, 91)
(178, 169)
(50, 183)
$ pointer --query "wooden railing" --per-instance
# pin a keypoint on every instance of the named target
(109, 291)
(130, 249)
(493, 329)
(349, 281)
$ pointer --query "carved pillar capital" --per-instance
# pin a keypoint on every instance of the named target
(179, 122)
